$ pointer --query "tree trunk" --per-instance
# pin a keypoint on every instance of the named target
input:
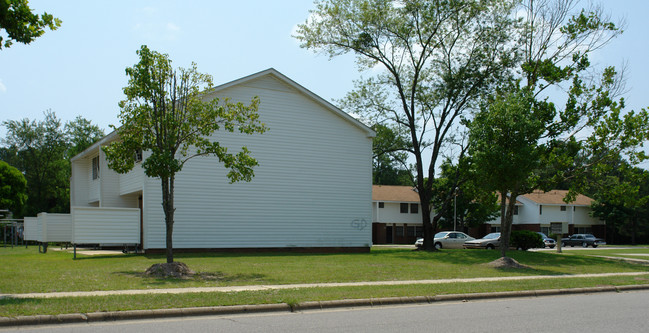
(168, 207)
(506, 219)
(429, 227)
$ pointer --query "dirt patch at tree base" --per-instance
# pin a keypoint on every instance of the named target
(175, 269)
(506, 262)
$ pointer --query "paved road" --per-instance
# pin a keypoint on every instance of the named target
(603, 312)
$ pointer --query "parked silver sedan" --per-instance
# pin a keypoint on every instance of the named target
(447, 240)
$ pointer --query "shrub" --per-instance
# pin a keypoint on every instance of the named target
(525, 239)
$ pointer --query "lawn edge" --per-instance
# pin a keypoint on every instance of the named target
(287, 307)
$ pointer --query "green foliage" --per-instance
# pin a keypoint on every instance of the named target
(521, 141)
(21, 25)
(38, 149)
(472, 204)
(41, 150)
(433, 60)
(13, 189)
(389, 157)
(622, 200)
(169, 114)
(526, 239)
(81, 134)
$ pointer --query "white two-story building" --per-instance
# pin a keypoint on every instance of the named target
(312, 188)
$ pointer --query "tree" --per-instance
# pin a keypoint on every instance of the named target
(505, 147)
(38, 149)
(521, 141)
(21, 25)
(13, 189)
(622, 200)
(41, 150)
(435, 58)
(164, 114)
(81, 134)
(472, 204)
(389, 162)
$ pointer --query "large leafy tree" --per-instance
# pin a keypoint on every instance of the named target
(38, 149)
(13, 189)
(21, 25)
(389, 161)
(81, 134)
(472, 203)
(522, 141)
(622, 200)
(164, 113)
(432, 60)
(41, 150)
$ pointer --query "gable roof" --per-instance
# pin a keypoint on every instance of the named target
(271, 71)
(555, 197)
(319, 100)
(394, 193)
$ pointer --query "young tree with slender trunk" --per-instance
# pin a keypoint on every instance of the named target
(165, 114)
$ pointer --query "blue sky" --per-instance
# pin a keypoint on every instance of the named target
(79, 68)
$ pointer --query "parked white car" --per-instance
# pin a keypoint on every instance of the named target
(447, 240)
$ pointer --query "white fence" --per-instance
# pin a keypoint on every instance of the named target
(54, 227)
(96, 225)
(32, 231)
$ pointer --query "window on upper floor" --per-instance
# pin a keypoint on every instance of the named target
(414, 208)
(138, 155)
(403, 208)
(381, 204)
(515, 210)
(540, 209)
(563, 208)
(95, 167)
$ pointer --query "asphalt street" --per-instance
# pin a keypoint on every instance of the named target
(601, 312)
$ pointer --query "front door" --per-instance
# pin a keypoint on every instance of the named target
(388, 235)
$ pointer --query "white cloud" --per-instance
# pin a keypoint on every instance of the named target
(3, 88)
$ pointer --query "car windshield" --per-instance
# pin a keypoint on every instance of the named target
(492, 235)
(589, 236)
(440, 234)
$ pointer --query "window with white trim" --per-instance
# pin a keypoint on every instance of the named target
(95, 167)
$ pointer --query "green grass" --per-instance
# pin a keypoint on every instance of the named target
(631, 253)
(25, 270)
(54, 306)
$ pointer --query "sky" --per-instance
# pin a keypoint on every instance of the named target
(79, 68)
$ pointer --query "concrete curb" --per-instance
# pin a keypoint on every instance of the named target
(284, 307)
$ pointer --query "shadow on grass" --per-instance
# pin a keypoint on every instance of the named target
(4, 301)
(199, 276)
(539, 262)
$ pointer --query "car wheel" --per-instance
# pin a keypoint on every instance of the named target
(563, 244)
(584, 244)
(594, 246)
(438, 245)
(490, 247)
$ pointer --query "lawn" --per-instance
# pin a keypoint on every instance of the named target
(630, 252)
(25, 270)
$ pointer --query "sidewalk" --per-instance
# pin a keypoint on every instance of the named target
(303, 306)
(298, 286)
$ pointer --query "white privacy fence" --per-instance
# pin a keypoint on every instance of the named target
(86, 225)
(95, 225)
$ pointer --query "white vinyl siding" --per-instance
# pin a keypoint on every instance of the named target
(132, 181)
(32, 230)
(391, 213)
(312, 183)
(55, 227)
(94, 185)
(106, 225)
